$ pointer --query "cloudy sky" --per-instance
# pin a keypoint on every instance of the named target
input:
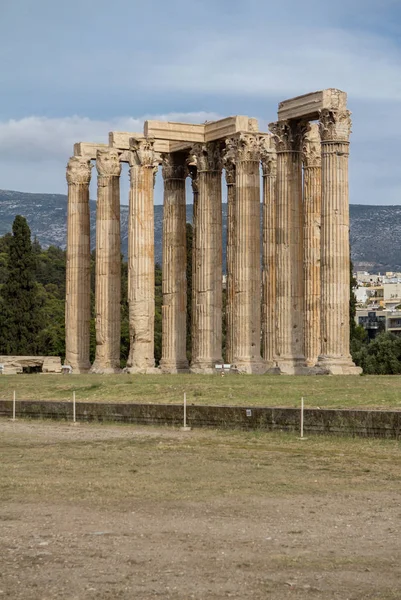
(72, 71)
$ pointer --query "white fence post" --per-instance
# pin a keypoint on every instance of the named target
(14, 405)
(185, 426)
(73, 408)
(302, 417)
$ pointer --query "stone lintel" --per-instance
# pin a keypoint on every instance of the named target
(216, 130)
(120, 141)
(88, 149)
(309, 105)
(175, 132)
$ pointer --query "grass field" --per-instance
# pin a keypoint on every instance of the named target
(124, 512)
(334, 392)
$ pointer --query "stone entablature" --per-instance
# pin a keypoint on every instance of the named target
(295, 306)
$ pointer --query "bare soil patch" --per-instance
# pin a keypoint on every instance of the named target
(102, 511)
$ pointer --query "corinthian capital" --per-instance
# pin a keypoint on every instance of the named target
(335, 126)
(208, 156)
(268, 156)
(108, 162)
(174, 167)
(79, 170)
(142, 152)
(311, 147)
(245, 147)
(287, 135)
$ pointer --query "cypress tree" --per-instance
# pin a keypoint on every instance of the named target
(21, 314)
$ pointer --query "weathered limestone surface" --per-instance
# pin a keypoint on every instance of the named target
(77, 315)
(193, 173)
(207, 332)
(247, 279)
(120, 140)
(141, 259)
(309, 106)
(12, 365)
(229, 167)
(289, 248)
(88, 150)
(174, 284)
(335, 358)
(108, 263)
(312, 158)
(269, 171)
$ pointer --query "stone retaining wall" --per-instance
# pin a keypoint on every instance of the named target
(366, 423)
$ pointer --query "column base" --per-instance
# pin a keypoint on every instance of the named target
(327, 365)
(172, 366)
(142, 370)
(250, 367)
(290, 366)
(99, 369)
(201, 367)
(78, 369)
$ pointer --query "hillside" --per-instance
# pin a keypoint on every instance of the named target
(375, 230)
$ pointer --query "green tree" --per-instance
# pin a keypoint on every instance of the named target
(21, 315)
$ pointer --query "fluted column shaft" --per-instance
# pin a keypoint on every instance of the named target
(174, 284)
(141, 262)
(207, 331)
(269, 171)
(312, 221)
(195, 189)
(335, 268)
(247, 275)
(77, 314)
(289, 248)
(108, 263)
(229, 167)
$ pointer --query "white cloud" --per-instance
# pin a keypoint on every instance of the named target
(38, 139)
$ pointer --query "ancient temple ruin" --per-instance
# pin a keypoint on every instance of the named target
(286, 314)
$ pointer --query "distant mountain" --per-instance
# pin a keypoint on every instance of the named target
(375, 230)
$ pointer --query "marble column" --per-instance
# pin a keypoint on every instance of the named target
(108, 263)
(141, 257)
(78, 292)
(229, 167)
(193, 173)
(312, 159)
(290, 358)
(207, 331)
(335, 358)
(247, 273)
(174, 283)
(269, 172)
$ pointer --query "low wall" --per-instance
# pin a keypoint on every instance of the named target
(367, 423)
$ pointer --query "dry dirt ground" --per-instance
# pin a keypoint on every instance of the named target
(121, 512)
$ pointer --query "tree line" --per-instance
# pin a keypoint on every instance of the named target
(32, 306)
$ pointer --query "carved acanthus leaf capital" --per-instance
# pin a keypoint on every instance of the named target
(287, 135)
(229, 156)
(311, 147)
(193, 173)
(108, 162)
(208, 156)
(268, 156)
(245, 147)
(79, 170)
(173, 168)
(142, 152)
(335, 126)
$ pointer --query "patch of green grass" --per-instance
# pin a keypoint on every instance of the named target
(371, 391)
